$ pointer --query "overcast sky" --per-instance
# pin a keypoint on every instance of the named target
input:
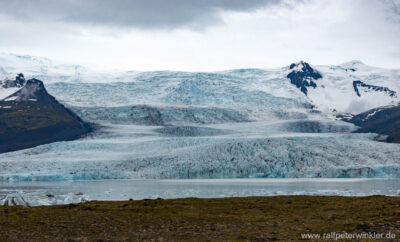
(203, 35)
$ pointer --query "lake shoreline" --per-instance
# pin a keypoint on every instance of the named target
(195, 219)
(65, 192)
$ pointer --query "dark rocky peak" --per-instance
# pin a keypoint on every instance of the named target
(302, 75)
(305, 69)
(34, 86)
(31, 117)
(33, 90)
(18, 82)
(300, 66)
(20, 79)
(361, 87)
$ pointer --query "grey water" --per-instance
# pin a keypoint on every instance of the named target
(63, 192)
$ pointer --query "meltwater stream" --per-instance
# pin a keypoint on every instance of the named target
(64, 192)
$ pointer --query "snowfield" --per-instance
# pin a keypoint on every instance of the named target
(336, 91)
(260, 90)
(228, 124)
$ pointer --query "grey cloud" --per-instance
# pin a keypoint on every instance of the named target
(395, 9)
(153, 14)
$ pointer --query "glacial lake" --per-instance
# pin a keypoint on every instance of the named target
(64, 192)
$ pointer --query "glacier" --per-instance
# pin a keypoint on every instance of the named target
(238, 150)
(245, 123)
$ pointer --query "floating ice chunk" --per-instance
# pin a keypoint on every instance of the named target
(15, 199)
(73, 198)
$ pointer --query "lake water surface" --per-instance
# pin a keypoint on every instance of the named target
(63, 192)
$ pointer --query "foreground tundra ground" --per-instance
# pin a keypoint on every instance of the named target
(249, 218)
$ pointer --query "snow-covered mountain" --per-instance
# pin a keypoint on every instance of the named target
(352, 87)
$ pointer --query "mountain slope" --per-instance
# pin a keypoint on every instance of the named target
(352, 87)
(384, 120)
(32, 117)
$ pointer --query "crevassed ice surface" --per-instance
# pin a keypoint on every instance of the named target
(257, 149)
(232, 124)
(236, 90)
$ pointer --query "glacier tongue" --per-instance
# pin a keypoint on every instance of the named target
(252, 149)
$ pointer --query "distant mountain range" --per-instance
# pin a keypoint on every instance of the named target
(352, 87)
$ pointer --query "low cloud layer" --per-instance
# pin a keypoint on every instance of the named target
(202, 35)
(143, 14)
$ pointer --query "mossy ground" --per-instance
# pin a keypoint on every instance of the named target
(238, 219)
(26, 116)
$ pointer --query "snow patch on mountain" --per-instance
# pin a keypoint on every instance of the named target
(5, 92)
(335, 90)
(28, 93)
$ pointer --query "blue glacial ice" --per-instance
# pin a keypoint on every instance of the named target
(236, 150)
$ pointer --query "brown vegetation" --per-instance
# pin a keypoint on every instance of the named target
(251, 218)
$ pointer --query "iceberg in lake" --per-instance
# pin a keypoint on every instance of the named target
(14, 199)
